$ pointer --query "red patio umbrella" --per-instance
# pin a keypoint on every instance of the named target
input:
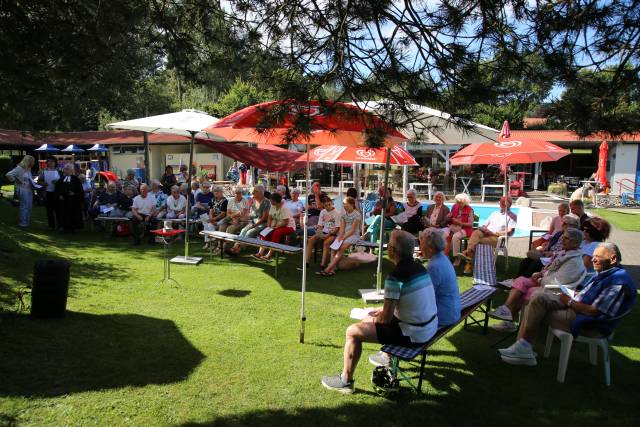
(603, 155)
(328, 122)
(312, 123)
(348, 155)
(509, 151)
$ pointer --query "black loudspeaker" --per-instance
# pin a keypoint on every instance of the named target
(50, 288)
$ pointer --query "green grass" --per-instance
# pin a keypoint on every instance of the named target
(222, 348)
(624, 221)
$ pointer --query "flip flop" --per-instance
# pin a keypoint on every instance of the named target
(328, 273)
(258, 257)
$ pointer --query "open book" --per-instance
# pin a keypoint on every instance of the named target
(569, 292)
(360, 313)
(265, 231)
(336, 244)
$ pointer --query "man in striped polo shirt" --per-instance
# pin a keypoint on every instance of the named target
(409, 316)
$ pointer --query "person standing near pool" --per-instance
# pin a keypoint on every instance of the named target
(23, 182)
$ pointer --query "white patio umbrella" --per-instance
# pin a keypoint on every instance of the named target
(431, 126)
(188, 123)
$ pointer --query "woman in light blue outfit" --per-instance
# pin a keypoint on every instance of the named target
(373, 221)
(23, 182)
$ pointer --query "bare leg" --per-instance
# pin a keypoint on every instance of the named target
(311, 243)
(336, 258)
(513, 301)
(357, 333)
(326, 250)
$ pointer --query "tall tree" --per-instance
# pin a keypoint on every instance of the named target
(432, 52)
(64, 61)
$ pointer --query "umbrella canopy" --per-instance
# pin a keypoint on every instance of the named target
(72, 148)
(275, 159)
(329, 123)
(186, 123)
(47, 148)
(348, 155)
(99, 148)
(603, 155)
(326, 123)
(431, 126)
(509, 152)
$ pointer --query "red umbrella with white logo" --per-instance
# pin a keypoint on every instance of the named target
(508, 151)
(371, 156)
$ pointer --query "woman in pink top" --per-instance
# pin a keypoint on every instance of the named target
(460, 224)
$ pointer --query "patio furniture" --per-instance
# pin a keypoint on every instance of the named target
(485, 186)
(416, 185)
(470, 301)
(167, 236)
(566, 342)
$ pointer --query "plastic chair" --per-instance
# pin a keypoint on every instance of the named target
(567, 340)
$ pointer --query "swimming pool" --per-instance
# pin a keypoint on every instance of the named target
(483, 211)
(524, 214)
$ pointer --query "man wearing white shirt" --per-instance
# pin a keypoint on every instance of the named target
(498, 224)
(144, 210)
(176, 204)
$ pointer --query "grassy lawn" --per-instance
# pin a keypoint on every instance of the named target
(222, 348)
(623, 221)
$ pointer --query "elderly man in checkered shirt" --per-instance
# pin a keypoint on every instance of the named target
(610, 293)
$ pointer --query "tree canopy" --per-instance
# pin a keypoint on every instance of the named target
(66, 64)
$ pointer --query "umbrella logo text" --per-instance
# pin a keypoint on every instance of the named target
(366, 153)
(508, 144)
(309, 110)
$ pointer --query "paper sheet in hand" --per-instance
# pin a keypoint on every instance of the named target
(545, 260)
(105, 209)
(569, 292)
(360, 313)
(35, 184)
(265, 231)
(336, 244)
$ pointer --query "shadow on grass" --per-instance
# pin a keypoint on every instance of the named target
(234, 293)
(84, 352)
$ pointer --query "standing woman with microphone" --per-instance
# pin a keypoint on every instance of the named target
(23, 182)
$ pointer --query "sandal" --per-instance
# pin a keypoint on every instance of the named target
(327, 273)
(256, 256)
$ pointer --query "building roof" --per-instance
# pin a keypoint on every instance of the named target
(571, 136)
(112, 137)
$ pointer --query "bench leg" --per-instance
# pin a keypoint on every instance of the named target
(485, 328)
(422, 363)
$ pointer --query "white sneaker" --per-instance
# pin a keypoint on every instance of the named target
(505, 326)
(502, 313)
(519, 353)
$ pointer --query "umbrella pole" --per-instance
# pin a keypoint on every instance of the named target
(405, 178)
(147, 173)
(384, 209)
(303, 317)
(186, 259)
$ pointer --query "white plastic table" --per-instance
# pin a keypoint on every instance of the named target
(341, 186)
(484, 186)
(429, 186)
